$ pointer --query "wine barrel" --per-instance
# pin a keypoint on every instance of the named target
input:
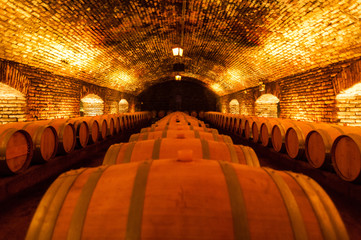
(279, 133)
(161, 114)
(180, 127)
(346, 157)
(110, 125)
(117, 125)
(256, 129)
(296, 137)
(94, 129)
(44, 137)
(248, 127)
(81, 131)
(163, 148)
(16, 150)
(319, 143)
(103, 127)
(185, 199)
(266, 131)
(180, 135)
(66, 134)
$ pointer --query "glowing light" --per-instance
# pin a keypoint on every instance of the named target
(177, 51)
(178, 78)
(217, 88)
(92, 98)
(7, 92)
(234, 106)
(355, 90)
(123, 106)
(267, 99)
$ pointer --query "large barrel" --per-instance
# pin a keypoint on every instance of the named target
(180, 135)
(295, 138)
(16, 150)
(44, 137)
(81, 131)
(185, 199)
(66, 134)
(346, 157)
(178, 127)
(164, 148)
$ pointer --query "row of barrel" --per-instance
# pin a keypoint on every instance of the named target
(23, 143)
(162, 113)
(324, 145)
(166, 183)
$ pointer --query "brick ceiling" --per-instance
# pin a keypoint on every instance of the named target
(229, 45)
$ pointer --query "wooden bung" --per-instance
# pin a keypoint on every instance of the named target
(184, 198)
(180, 134)
(44, 137)
(16, 150)
(346, 157)
(164, 148)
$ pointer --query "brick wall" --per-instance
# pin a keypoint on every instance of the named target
(310, 96)
(51, 96)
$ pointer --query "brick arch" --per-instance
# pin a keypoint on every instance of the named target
(234, 106)
(12, 104)
(267, 105)
(91, 105)
(348, 105)
(124, 106)
(12, 76)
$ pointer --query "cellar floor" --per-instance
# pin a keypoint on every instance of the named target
(16, 212)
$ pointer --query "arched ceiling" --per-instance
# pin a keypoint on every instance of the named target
(229, 45)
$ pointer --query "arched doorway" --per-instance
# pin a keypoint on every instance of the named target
(123, 106)
(267, 106)
(349, 106)
(234, 106)
(92, 105)
(12, 105)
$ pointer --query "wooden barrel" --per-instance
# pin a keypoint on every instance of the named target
(94, 129)
(110, 125)
(256, 129)
(346, 157)
(44, 137)
(117, 124)
(185, 199)
(319, 143)
(81, 131)
(174, 134)
(178, 127)
(296, 137)
(248, 127)
(16, 150)
(66, 134)
(266, 131)
(103, 127)
(279, 134)
(161, 114)
(164, 148)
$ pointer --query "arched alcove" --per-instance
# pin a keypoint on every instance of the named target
(123, 106)
(234, 106)
(92, 105)
(12, 105)
(349, 106)
(113, 107)
(267, 106)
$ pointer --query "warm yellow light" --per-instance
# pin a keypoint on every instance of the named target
(178, 51)
(178, 78)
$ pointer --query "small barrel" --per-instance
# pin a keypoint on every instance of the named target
(256, 129)
(16, 150)
(180, 135)
(248, 127)
(66, 134)
(44, 137)
(164, 148)
(186, 199)
(81, 131)
(110, 124)
(346, 157)
(94, 129)
(279, 134)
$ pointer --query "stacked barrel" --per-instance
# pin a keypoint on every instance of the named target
(169, 183)
(324, 145)
(23, 143)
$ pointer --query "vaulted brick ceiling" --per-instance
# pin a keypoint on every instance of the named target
(228, 44)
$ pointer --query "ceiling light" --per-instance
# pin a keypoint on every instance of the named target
(178, 51)
(178, 78)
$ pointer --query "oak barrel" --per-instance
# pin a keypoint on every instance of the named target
(248, 127)
(266, 131)
(81, 131)
(279, 134)
(44, 137)
(16, 150)
(94, 129)
(66, 134)
(180, 134)
(163, 148)
(178, 127)
(103, 127)
(185, 199)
